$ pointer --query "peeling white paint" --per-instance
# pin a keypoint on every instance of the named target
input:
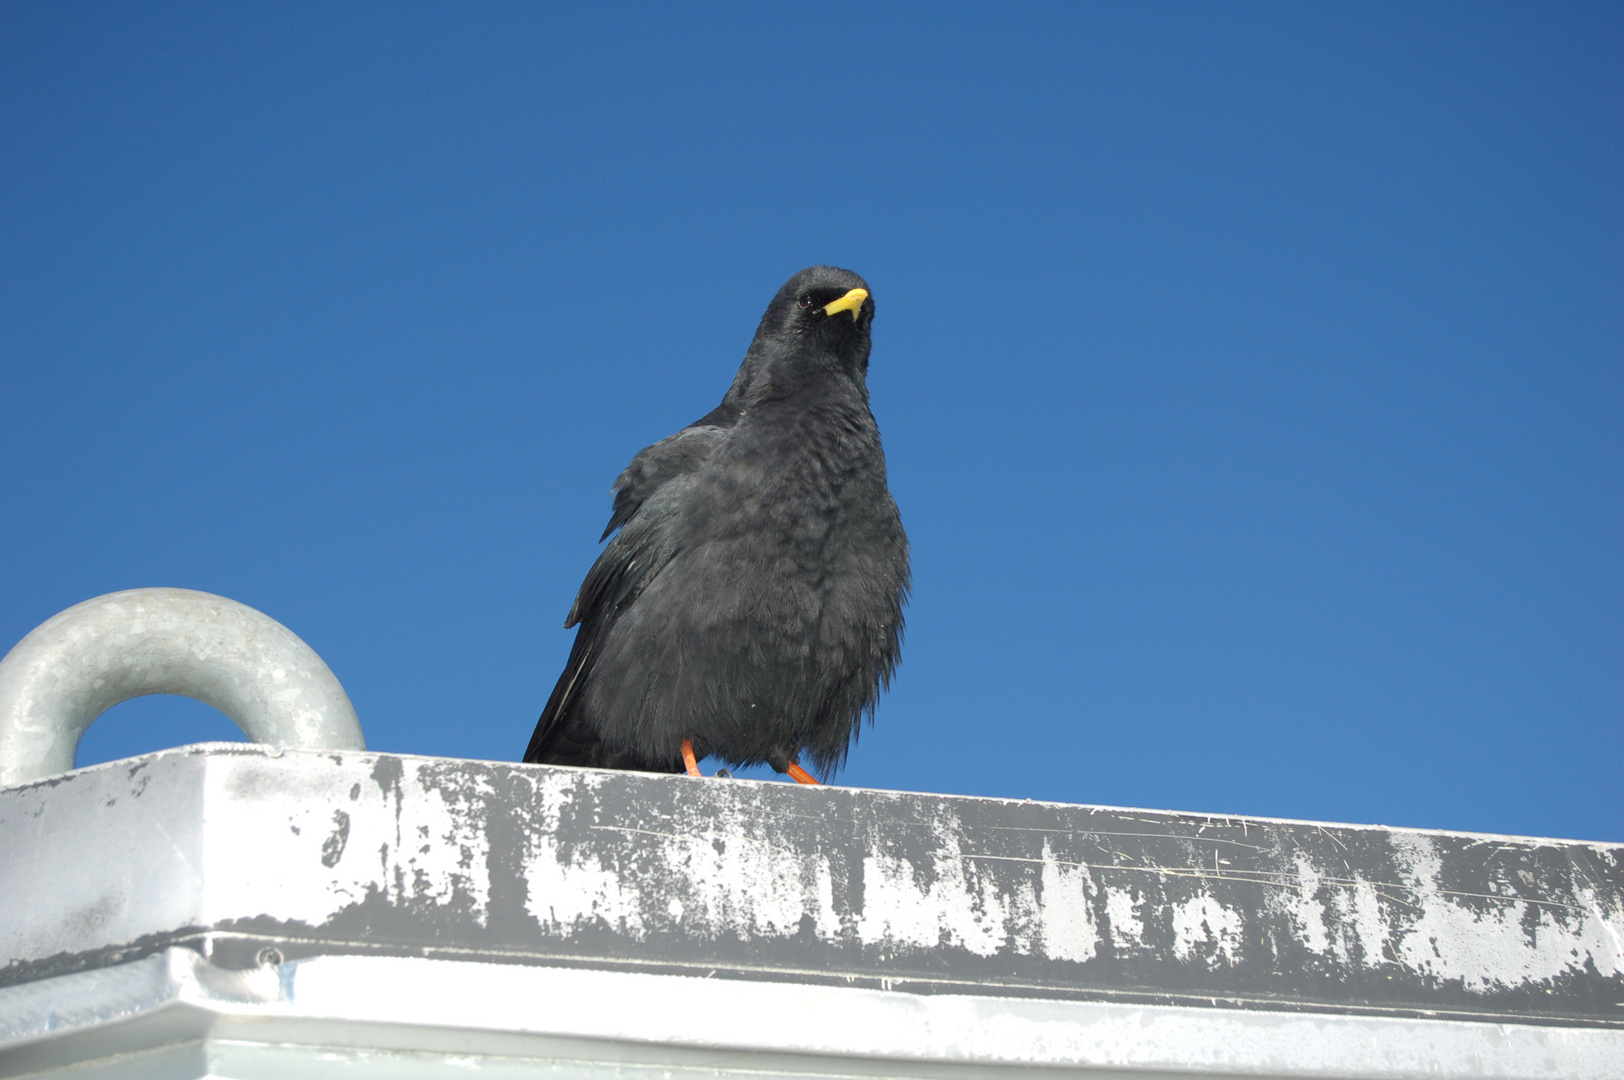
(448, 854)
(728, 880)
(1307, 912)
(1502, 943)
(1127, 928)
(1202, 921)
(748, 885)
(567, 889)
(719, 878)
(1067, 911)
(418, 839)
(1024, 925)
(950, 911)
(1364, 931)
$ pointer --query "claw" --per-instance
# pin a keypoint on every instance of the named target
(800, 774)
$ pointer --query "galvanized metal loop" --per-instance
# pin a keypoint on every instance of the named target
(78, 664)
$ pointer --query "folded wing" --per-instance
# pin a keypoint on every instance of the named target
(641, 548)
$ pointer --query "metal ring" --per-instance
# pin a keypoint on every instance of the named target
(78, 664)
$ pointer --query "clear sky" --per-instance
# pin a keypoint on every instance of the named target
(1251, 376)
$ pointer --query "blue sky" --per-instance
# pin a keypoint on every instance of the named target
(1251, 376)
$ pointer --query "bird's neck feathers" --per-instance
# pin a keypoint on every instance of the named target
(775, 370)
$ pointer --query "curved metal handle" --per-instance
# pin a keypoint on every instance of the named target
(78, 664)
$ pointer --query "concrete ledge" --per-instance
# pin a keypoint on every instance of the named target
(252, 860)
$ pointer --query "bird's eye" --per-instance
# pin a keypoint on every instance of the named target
(806, 301)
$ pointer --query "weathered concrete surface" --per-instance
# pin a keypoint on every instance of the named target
(232, 849)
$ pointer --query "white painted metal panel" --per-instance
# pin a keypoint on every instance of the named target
(240, 911)
(397, 1016)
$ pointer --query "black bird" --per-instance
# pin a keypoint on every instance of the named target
(750, 606)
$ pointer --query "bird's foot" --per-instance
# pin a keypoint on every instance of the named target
(782, 762)
(688, 758)
(801, 775)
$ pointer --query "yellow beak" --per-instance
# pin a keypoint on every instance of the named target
(852, 302)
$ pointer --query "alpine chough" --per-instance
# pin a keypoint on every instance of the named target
(749, 607)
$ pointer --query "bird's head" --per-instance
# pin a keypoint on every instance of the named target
(819, 321)
(823, 303)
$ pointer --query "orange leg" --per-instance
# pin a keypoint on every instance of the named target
(688, 758)
(800, 774)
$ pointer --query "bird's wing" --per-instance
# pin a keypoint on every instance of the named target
(644, 506)
(626, 566)
(624, 569)
(671, 457)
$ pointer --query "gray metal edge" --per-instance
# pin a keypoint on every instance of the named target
(229, 849)
(551, 1013)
